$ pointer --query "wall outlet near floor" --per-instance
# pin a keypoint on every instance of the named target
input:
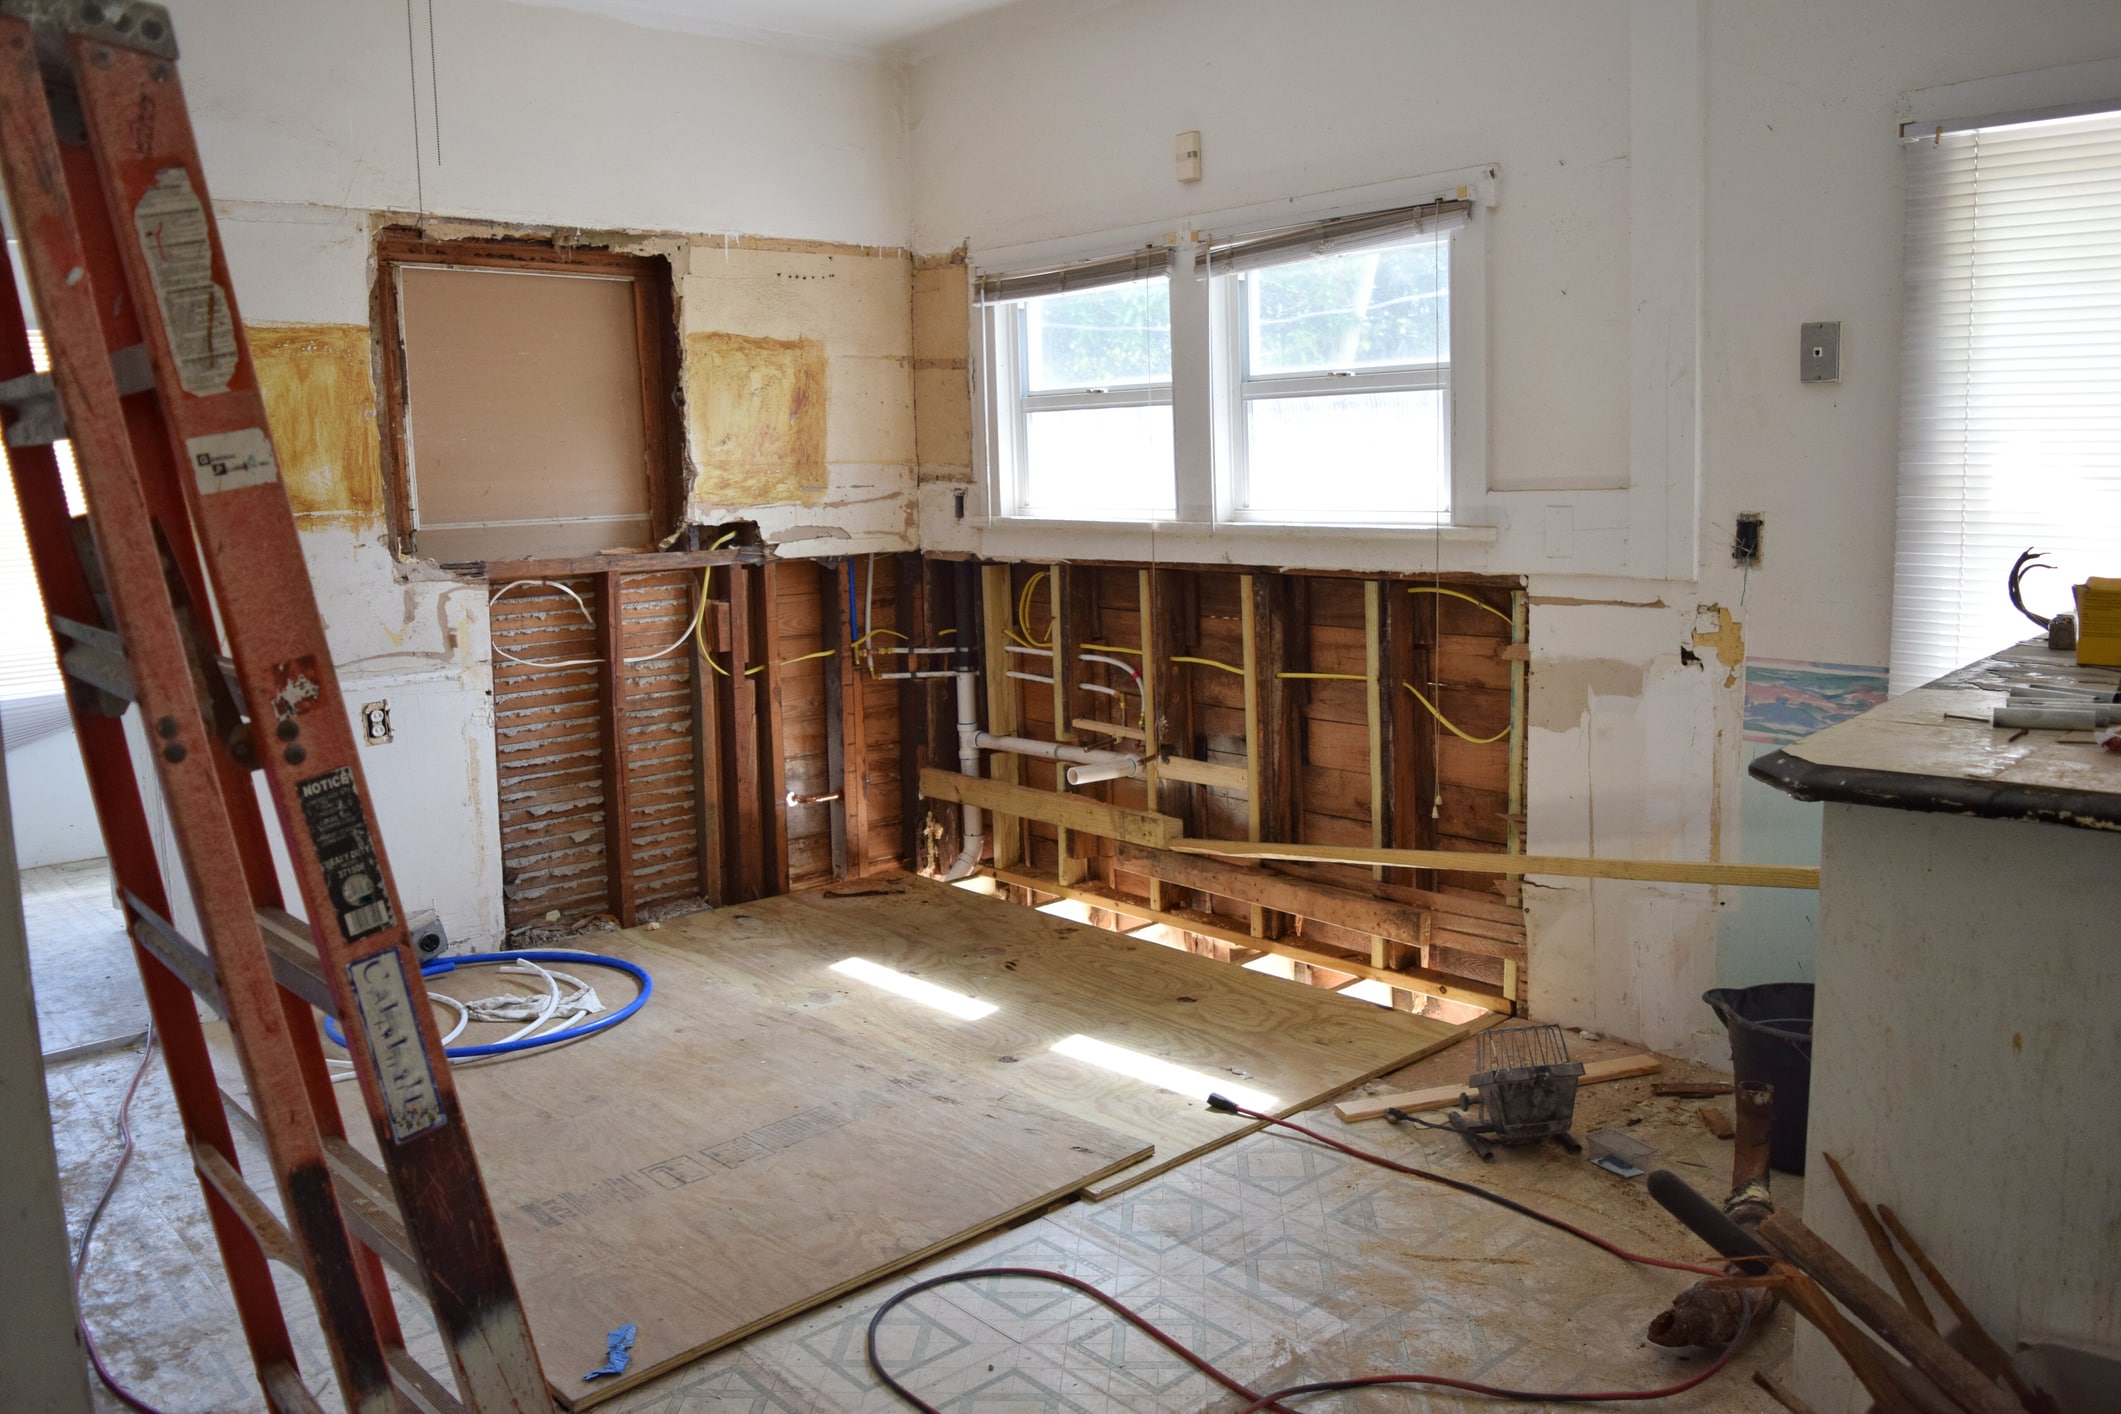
(375, 723)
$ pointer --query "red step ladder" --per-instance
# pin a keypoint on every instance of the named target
(188, 527)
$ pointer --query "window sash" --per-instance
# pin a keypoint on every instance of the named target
(1009, 358)
(1236, 388)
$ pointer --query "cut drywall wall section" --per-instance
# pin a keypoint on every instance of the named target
(799, 389)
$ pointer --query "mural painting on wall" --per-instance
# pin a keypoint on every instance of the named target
(1787, 700)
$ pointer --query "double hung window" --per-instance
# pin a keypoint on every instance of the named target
(1312, 363)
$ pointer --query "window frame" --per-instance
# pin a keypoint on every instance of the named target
(655, 328)
(1007, 338)
(1232, 382)
(1199, 348)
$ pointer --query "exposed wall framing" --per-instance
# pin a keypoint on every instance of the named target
(634, 780)
(1273, 707)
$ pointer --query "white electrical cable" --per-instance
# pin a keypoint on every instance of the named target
(571, 1007)
(581, 604)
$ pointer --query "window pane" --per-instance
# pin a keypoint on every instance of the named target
(1094, 461)
(1368, 309)
(1113, 337)
(1355, 454)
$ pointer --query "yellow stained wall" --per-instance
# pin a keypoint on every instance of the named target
(321, 405)
(755, 411)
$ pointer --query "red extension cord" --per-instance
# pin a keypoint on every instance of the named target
(1273, 1401)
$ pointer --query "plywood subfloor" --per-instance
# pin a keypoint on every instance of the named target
(721, 1162)
(1049, 980)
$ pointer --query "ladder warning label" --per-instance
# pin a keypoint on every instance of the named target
(338, 833)
(404, 1072)
(170, 221)
(229, 461)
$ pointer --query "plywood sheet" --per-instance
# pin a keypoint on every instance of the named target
(722, 1161)
(524, 412)
(1049, 980)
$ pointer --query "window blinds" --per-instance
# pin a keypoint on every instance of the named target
(1340, 236)
(2010, 412)
(28, 670)
(1149, 263)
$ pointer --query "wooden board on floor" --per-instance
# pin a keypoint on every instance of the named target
(1445, 1097)
(1050, 980)
(722, 1161)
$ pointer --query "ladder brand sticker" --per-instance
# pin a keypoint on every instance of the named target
(338, 832)
(229, 461)
(404, 1072)
(171, 224)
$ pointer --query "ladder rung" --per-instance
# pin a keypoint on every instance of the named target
(176, 952)
(33, 398)
(94, 635)
(274, 1240)
(371, 1213)
(293, 953)
(419, 1387)
(284, 1387)
(107, 672)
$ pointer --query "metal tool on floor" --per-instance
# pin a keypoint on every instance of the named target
(1525, 1090)
(188, 533)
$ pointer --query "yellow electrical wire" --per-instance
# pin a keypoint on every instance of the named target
(1328, 677)
(1461, 594)
(699, 618)
(1449, 725)
(1211, 663)
(1110, 648)
(1023, 616)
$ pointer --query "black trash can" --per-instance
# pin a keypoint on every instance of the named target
(1771, 1041)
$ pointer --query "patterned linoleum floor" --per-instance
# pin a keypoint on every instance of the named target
(1279, 1260)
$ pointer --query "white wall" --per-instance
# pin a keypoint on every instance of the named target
(545, 116)
(305, 116)
(1683, 184)
(54, 820)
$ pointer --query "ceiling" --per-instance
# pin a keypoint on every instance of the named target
(865, 27)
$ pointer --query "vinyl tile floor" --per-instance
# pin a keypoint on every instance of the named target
(1279, 1260)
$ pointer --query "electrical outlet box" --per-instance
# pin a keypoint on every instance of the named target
(375, 723)
(1745, 539)
(1819, 355)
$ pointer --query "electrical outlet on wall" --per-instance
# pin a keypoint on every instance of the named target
(375, 723)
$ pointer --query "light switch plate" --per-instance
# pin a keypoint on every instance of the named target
(1819, 356)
